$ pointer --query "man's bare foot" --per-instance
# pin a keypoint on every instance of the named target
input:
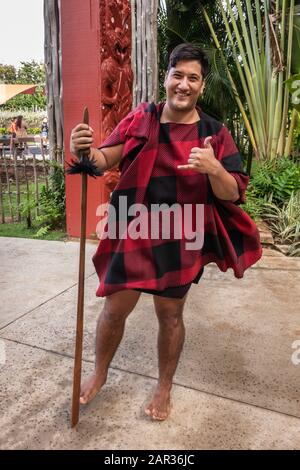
(159, 408)
(90, 387)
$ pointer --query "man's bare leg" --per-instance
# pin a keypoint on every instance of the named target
(170, 341)
(110, 330)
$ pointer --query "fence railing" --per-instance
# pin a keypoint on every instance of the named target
(24, 170)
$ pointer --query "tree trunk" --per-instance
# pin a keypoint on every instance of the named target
(144, 50)
(52, 51)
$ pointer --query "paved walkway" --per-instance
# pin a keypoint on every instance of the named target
(236, 386)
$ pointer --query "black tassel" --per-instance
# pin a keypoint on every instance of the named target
(84, 165)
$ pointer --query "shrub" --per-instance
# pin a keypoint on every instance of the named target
(274, 196)
(285, 222)
(52, 202)
(275, 182)
(30, 130)
(34, 130)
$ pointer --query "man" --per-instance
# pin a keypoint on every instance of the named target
(170, 153)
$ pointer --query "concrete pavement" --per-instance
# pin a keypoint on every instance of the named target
(236, 386)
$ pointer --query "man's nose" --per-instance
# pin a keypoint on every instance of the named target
(183, 84)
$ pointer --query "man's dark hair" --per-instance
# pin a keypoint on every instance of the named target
(187, 51)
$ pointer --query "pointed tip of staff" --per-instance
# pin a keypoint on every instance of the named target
(74, 418)
(86, 115)
(74, 423)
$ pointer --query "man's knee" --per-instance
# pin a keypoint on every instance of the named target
(118, 306)
(114, 315)
(169, 312)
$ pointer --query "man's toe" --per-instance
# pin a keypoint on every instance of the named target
(148, 410)
(84, 398)
(159, 416)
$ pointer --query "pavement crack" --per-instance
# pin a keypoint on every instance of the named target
(45, 302)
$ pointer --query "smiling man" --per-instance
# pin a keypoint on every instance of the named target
(169, 154)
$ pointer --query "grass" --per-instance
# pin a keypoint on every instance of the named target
(23, 195)
(19, 230)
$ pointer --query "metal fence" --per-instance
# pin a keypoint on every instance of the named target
(24, 170)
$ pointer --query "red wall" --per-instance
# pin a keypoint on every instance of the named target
(81, 87)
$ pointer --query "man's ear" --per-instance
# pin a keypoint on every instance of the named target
(202, 88)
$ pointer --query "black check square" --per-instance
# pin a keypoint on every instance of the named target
(116, 273)
(162, 189)
(166, 257)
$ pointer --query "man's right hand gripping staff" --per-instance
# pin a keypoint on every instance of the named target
(91, 160)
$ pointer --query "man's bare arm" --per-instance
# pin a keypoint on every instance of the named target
(224, 185)
(82, 139)
(107, 158)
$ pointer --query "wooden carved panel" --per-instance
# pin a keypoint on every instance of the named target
(116, 72)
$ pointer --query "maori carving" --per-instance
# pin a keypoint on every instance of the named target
(116, 73)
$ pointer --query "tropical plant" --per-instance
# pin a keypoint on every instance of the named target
(275, 181)
(261, 38)
(294, 84)
(293, 249)
(285, 221)
(254, 206)
(271, 182)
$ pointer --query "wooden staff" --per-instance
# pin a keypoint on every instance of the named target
(84, 165)
(80, 299)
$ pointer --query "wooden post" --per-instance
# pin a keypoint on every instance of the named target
(53, 70)
(144, 50)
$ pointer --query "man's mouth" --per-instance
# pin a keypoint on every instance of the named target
(183, 95)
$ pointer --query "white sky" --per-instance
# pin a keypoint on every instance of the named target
(21, 31)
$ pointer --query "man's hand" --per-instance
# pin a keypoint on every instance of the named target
(81, 139)
(203, 160)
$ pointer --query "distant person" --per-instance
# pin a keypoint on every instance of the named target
(21, 127)
(21, 132)
(12, 130)
(44, 132)
(13, 126)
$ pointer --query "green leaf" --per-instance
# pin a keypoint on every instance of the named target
(293, 85)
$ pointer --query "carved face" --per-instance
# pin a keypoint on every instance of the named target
(184, 84)
(121, 45)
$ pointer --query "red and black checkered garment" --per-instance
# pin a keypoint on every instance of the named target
(231, 238)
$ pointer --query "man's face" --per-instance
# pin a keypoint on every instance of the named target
(183, 85)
